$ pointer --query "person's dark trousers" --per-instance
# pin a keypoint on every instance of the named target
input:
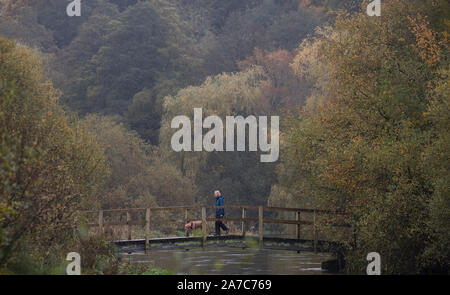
(220, 225)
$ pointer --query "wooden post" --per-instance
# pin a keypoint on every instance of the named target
(298, 218)
(315, 232)
(75, 225)
(260, 225)
(203, 227)
(243, 222)
(128, 225)
(147, 229)
(186, 220)
(100, 221)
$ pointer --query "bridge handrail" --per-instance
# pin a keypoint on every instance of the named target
(197, 207)
(244, 219)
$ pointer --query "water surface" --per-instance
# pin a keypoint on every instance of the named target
(233, 261)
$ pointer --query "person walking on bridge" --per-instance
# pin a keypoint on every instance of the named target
(220, 213)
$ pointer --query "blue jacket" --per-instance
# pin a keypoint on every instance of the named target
(219, 202)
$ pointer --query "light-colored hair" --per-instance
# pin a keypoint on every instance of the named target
(217, 192)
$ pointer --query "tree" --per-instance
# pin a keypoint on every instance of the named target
(269, 26)
(239, 175)
(25, 28)
(139, 175)
(11, 8)
(286, 91)
(71, 65)
(436, 168)
(53, 16)
(358, 146)
(50, 165)
(144, 115)
(144, 46)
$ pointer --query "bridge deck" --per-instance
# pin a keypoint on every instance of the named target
(224, 241)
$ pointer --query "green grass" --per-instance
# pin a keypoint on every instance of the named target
(133, 269)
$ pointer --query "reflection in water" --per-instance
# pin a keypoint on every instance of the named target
(233, 261)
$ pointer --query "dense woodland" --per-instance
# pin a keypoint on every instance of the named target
(86, 104)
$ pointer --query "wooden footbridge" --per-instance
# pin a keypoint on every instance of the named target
(247, 236)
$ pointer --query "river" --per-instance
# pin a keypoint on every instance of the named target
(235, 261)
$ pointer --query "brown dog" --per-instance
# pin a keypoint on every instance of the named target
(193, 225)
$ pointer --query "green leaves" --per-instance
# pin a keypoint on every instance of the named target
(50, 165)
(360, 147)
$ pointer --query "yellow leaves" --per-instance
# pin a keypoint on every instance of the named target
(426, 42)
(306, 58)
(57, 163)
(356, 139)
(60, 168)
(446, 33)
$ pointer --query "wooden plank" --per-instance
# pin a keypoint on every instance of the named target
(109, 223)
(175, 208)
(186, 220)
(260, 225)
(247, 219)
(315, 232)
(267, 208)
(265, 220)
(128, 225)
(299, 210)
(270, 208)
(238, 207)
(204, 224)
(115, 211)
(298, 219)
(100, 221)
(231, 219)
(286, 221)
(243, 222)
(147, 229)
